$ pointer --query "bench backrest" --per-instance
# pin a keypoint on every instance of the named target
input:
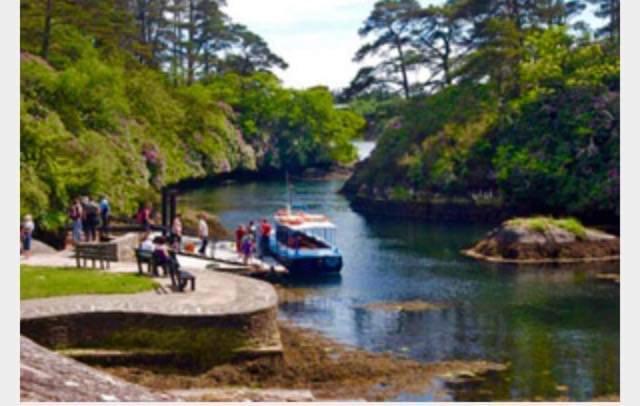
(145, 255)
(105, 251)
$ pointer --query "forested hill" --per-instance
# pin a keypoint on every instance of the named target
(122, 97)
(519, 110)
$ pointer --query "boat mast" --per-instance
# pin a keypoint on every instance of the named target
(288, 192)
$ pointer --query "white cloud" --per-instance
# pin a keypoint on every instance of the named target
(317, 38)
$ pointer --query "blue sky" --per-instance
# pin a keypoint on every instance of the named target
(317, 38)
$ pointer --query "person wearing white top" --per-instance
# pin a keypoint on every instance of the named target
(147, 245)
(203, 234)
(27, 235)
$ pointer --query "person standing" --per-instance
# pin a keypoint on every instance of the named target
(176, 232)
(143, 217)
(240, 232)
(105, 214)
(75, 214)
(27, 235)
(203, 234)
(265, 232)
(253, 230)
(247, 247)
(91, 210)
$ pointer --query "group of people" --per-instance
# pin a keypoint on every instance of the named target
(176, 233)
(87, 216)
(165, 248)
(253, 239)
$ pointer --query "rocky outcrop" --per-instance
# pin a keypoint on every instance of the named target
(518, 242)
(48, 377)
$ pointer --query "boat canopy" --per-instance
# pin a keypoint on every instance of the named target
(316, 225)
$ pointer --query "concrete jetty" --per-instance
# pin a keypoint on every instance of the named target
(227, 317)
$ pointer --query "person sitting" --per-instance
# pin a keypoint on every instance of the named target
(162, 255)
(147, 245)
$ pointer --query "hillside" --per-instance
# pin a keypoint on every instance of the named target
(550, 146)
(105, 110)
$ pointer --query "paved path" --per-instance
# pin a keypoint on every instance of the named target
(216, 293)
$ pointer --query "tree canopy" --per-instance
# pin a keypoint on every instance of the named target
(520, 108)
(122, 97)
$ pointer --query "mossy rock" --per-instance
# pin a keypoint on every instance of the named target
(545, 240)
(200, 348)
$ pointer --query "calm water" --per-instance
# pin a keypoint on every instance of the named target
(555, 327)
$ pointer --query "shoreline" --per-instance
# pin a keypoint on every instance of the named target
(323, 366)
(467, 211)
(500, 260)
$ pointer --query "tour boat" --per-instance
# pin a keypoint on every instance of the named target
(305, 243)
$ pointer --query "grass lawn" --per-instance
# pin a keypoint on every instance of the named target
(36, 282)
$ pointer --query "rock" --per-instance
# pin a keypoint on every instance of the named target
(408, 306)
(545, 240)
(48, 377)
(245, 395)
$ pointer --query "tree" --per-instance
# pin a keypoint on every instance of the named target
(609, 10)
(390, 23)
(249, 53)
(437, 34)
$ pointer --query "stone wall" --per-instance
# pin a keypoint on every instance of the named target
(126, 245)
(48, 377)
(202, 340)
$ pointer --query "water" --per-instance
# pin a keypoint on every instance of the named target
(364, 148)
(555, 327)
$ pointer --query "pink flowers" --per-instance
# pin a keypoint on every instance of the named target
(151, 154)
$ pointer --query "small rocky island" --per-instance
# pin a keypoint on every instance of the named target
(545, 240)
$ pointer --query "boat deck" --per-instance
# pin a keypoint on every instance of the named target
(224, 258)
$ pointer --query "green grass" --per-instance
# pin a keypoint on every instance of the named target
(38, 282)
(541, 224)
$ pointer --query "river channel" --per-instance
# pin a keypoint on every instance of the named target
(558, 328)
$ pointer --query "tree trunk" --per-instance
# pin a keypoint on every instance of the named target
(445, 62)
(190, 47)
(46, 33)
(403, 69)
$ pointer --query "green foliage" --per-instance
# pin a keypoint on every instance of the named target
(98, 123)
(98, 127)
(290, 129)
(541, 224)
(39, 282)
(549, 144)
(202, 347)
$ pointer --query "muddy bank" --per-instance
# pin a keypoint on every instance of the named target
(408, 306)
(329, 369)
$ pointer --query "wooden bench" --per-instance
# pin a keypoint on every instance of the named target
(179, 279)
(104, 253)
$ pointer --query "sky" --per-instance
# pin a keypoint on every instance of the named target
(317, 38)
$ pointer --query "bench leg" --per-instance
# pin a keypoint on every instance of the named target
(193, 284)
(78, 261)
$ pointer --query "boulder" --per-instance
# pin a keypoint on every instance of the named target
(545, 240)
